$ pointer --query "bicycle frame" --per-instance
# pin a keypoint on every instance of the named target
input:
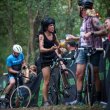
(20, 93)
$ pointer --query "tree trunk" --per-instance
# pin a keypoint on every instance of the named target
(34, 23)
(30, 52)
(9, 22)
(69, 20)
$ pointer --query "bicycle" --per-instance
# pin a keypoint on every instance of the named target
(62, 87)
(20, 96)
(3, 102)
(89, 83)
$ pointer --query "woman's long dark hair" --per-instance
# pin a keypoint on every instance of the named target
(45, 23)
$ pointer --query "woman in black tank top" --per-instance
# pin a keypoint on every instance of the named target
(48, 44)
(46, 57)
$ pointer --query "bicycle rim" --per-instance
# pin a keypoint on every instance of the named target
(53, 91)
(68, 85)
(90, 85)
(20, 97)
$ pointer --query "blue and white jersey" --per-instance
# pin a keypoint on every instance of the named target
(15, 62)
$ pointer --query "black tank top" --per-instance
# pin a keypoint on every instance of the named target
(46, 57)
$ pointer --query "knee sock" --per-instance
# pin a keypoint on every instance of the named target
(98, 96)
(79, 96)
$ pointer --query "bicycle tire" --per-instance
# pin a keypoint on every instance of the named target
(53, 90)
(89, 87)
(67, 92)
(20, 97)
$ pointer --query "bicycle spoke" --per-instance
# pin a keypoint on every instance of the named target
(20, 97)
(68, 86)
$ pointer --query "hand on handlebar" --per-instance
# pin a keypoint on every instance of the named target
(17, 72)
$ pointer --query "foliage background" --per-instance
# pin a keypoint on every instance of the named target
(20, 22)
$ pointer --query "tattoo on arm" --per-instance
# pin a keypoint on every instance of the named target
(96, 24)
(41, 41)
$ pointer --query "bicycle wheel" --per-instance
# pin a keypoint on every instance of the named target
(53, 90)
(67, 86)
(89, 86)
(20, 97)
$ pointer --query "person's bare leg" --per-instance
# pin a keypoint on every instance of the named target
(79, 76)
(79, 80)
(46, 76)
(10, 86)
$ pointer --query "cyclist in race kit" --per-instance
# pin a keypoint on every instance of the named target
(90, 23)
(14, 63)
(48, 44)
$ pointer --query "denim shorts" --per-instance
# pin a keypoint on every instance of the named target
(82, 58)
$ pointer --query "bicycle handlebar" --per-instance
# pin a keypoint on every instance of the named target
(64, 59)
(85, 48)
(20, 74)
(57, 60)
(91, 50)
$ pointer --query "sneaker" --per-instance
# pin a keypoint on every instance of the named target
(46, 103)
(76, 102)
(103, 104)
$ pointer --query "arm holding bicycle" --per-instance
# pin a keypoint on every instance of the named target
(12, 71)
(9, 66)
(61, 62)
